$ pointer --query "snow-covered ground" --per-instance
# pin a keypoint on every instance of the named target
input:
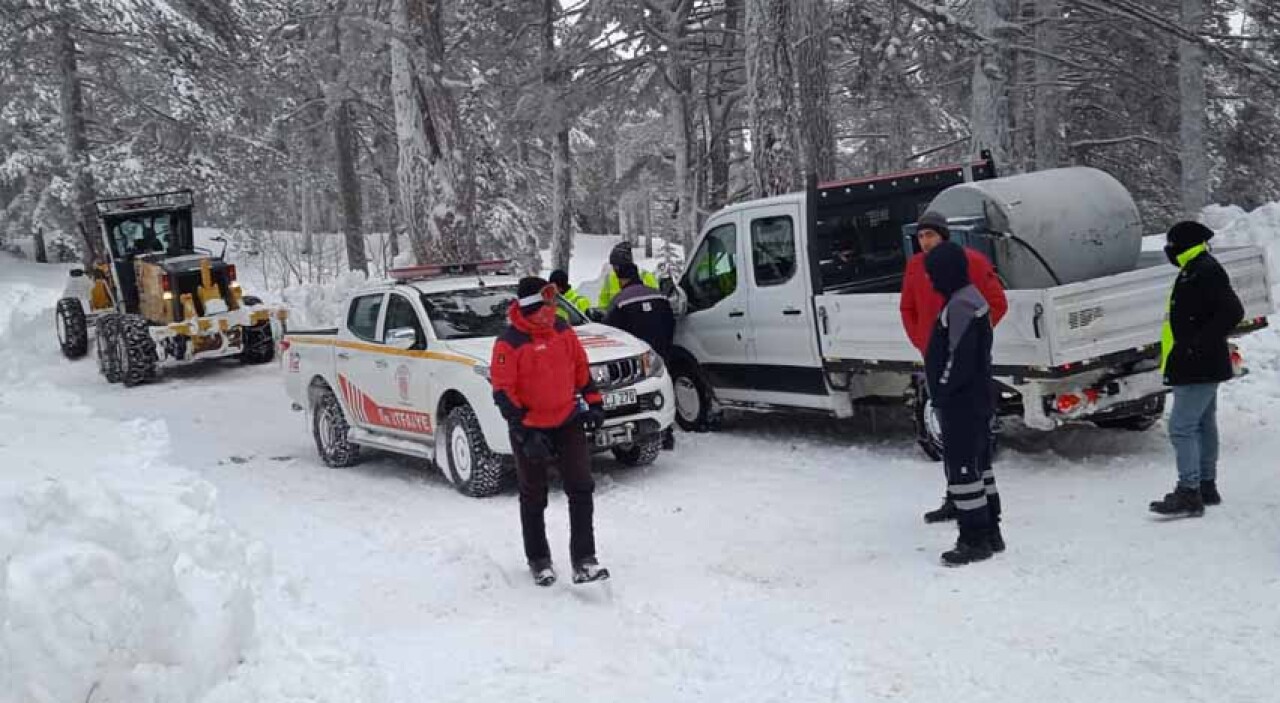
(780, 559)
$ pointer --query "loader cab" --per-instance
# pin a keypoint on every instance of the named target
(140, 233)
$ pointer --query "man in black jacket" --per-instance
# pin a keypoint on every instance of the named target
(958, 370)
(1195, 358)
(645, 313)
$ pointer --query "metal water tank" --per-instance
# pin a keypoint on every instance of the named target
(1080, 223)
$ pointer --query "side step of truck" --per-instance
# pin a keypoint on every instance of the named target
(391, 444)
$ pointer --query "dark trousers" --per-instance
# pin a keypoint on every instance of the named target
(971, 484)
(573, 460)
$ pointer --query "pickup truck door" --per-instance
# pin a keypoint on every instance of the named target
(714, 329)
(357, 358)
(401, 385)
(783, 337)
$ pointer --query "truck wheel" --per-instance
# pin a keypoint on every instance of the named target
(474, 469)
(108, 331)
(136, 351)
(73, 329)
(693, 398)
(259, 345)
(329, 428)
(1136, 423)
(640, 453)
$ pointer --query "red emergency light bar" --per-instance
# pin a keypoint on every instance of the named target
(418, 273)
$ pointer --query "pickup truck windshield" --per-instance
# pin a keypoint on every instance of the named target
(479, 312)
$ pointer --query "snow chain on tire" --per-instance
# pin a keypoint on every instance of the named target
(137, 351)
(108, 328)
(488, 470)
(259, 344)
(73, 329)
(329, 428)
(641, 453)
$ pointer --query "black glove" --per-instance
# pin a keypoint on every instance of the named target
(595, 315)
(535, 445)
(593, 418)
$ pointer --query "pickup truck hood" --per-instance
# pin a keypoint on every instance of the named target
(603, 343)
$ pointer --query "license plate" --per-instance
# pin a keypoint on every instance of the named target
(617, 399)
(608, 437)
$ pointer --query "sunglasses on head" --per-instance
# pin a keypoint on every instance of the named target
(547, 294)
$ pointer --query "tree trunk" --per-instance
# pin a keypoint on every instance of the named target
(42, 255)
(774, 162)
(817, 139)
(1194, 153)
(434, 170)
(76, 145)
(1048, 96)
(720, 105)
(349, 189)
(990, 114)
(562, 201)
(561, 154)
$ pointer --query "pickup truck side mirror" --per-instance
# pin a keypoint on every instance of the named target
(402, 338)
(679, 301)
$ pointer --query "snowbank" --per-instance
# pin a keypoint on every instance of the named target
(118, 579)
(1260, 227)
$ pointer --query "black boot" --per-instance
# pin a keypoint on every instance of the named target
(588, 570)
(542, 572)
(1183, 502)
(966, 552)
(1209, 493)
(944, 513)
(996, 540)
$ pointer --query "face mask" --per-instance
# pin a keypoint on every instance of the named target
(1171, 253)
(544, 316)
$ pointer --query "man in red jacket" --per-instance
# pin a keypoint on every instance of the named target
(539, 372)
(921, 304)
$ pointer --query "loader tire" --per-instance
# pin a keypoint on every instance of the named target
(73, 328)
(108, 332)
(137, 351)
(329, 428)
(259, 344)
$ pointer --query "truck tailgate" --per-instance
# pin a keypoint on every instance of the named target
(1044, 328)
(1103, 316)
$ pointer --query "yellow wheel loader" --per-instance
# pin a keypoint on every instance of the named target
(158, 300)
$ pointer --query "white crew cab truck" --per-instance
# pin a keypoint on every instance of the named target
(407, 371)
(791, 302)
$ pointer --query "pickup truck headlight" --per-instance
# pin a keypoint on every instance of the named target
(653, 364)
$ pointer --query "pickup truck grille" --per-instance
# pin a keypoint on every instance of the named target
(618, 373)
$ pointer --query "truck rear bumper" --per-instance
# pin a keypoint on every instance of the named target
(1048, 404)
(214, 336)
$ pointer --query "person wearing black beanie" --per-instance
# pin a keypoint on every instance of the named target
(539, 371)
(1195, 358)
(958, 370)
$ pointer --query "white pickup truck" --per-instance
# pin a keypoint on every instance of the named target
(407, 372)
(791, 303)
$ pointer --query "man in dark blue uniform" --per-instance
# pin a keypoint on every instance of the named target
(958, 371)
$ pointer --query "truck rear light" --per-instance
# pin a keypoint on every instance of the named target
(1067, 402)
(165, 285)
(1091, 395)
(284, 345)
(231, 272)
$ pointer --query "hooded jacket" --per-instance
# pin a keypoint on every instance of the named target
(958, 356)
(537, 371)
(920, 303)
(1203, 309)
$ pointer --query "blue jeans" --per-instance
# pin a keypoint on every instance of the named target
(1193, 429)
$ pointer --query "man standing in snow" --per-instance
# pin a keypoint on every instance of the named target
(1195, 358)
(644, 313)
(619, 255)
(920, 304)
(958, 371)
(539, 370)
